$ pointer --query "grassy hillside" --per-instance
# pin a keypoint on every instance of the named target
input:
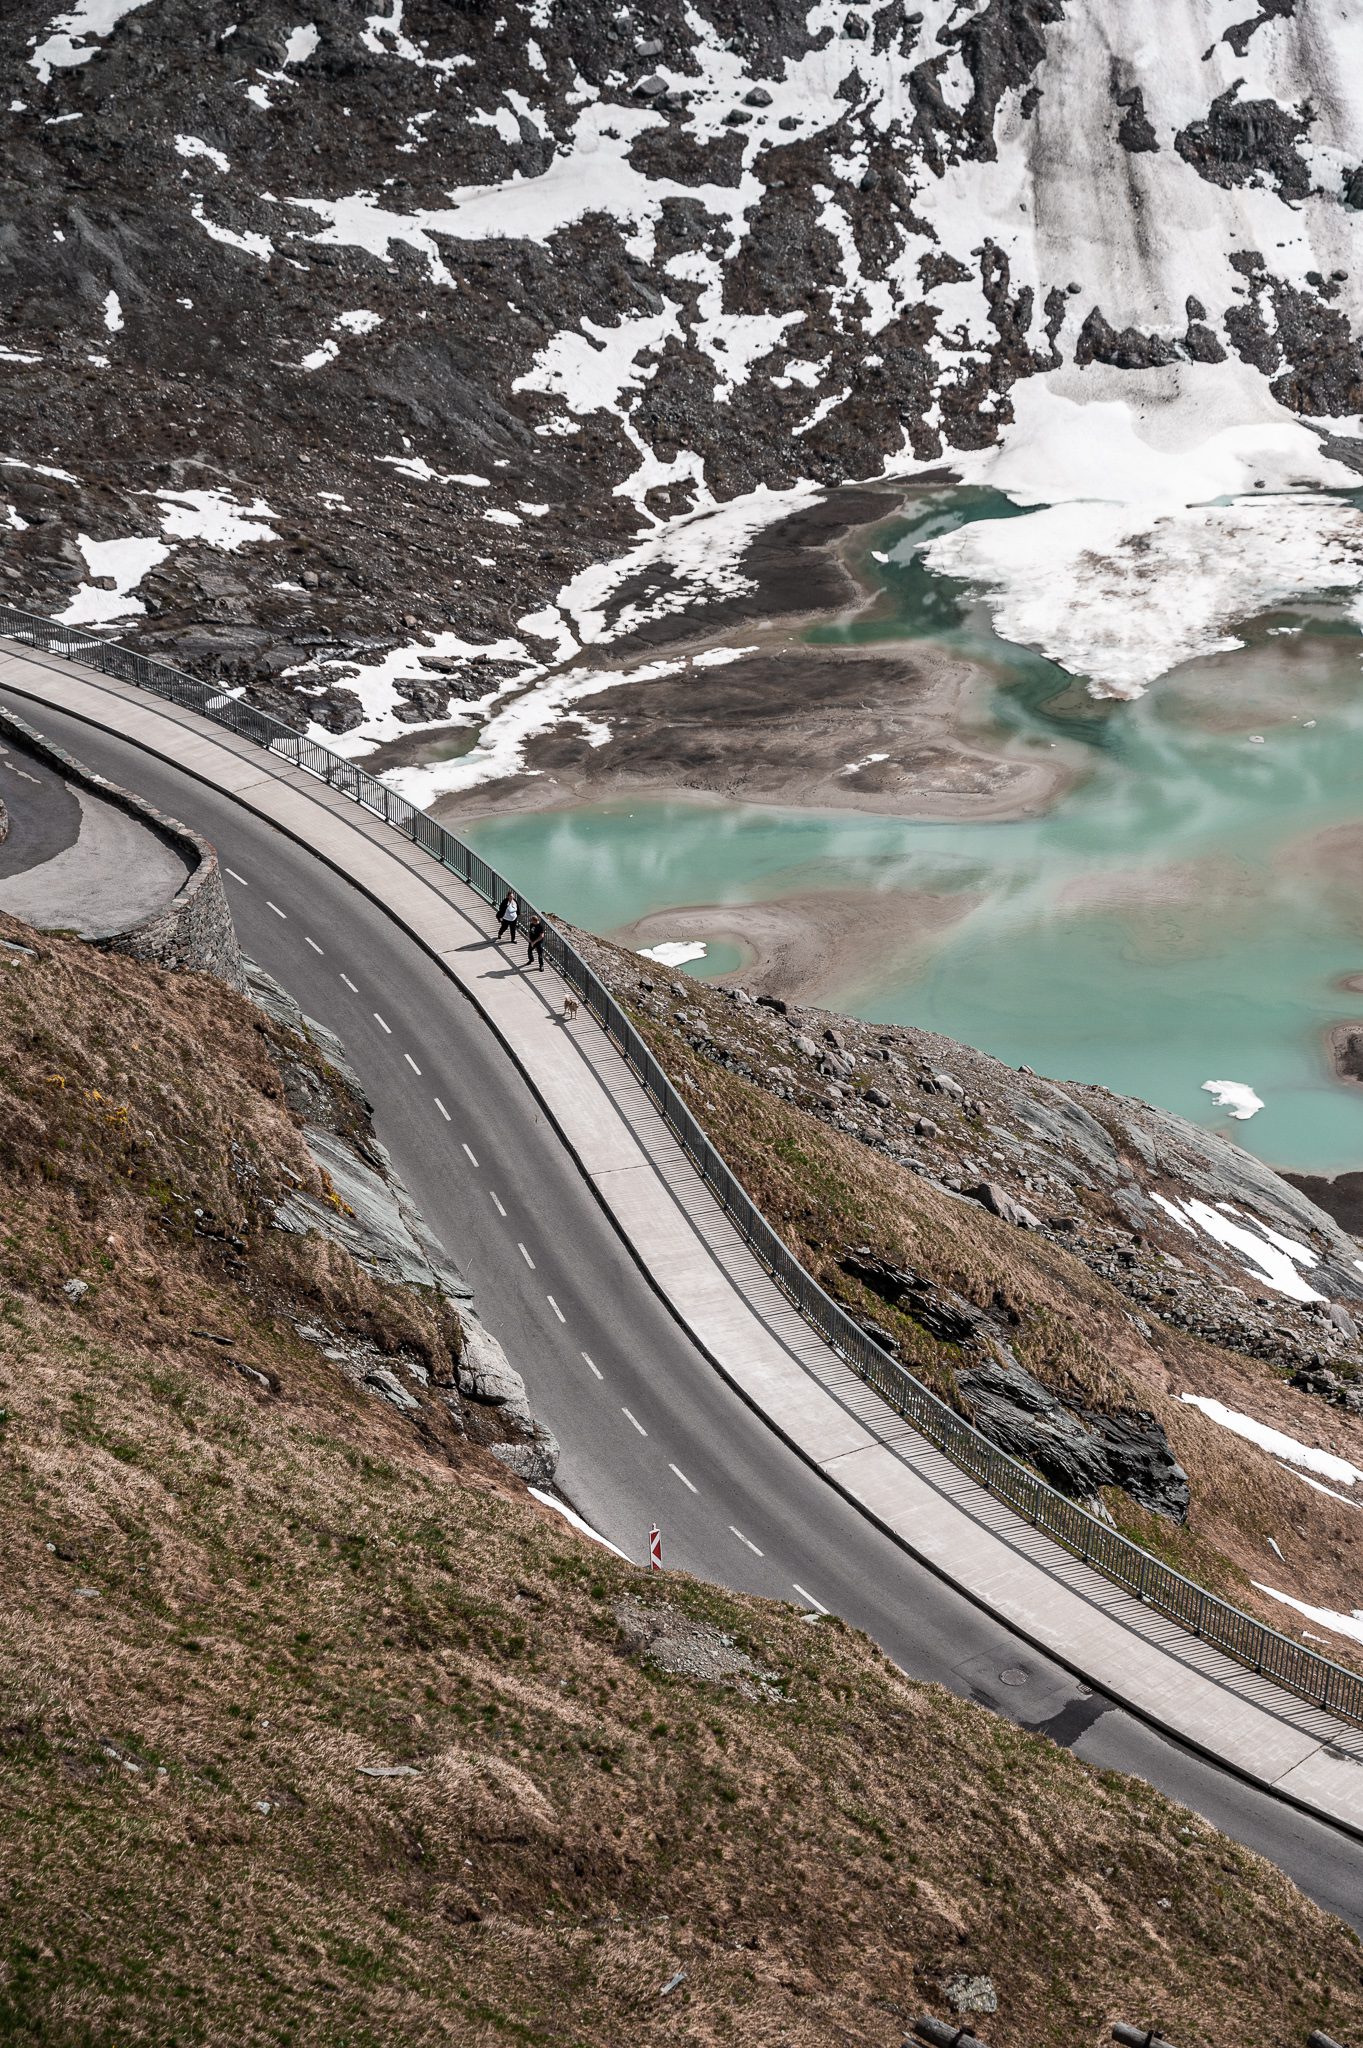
(238, 1585)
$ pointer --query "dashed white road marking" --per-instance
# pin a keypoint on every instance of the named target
(350, 984)
(555, 1307)
(311, 942)
(411, 1063)
(746, 1539)
(469, 1150)
(635, 1420)
(497, 1201)
(275, 908)
(683, 1478)
(441, 1107)
(236, 877)
(595, 1368)
(809, 1597)
(382, 1026)
(525, 1255)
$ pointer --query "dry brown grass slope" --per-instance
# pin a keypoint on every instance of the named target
(225, 1597)
(1067, 1325)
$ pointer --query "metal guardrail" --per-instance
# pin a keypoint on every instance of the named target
(1296, 1669)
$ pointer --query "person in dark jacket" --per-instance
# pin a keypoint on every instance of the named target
(508, 914)
(534, 942)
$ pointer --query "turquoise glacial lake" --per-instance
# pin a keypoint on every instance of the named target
(1188, 910)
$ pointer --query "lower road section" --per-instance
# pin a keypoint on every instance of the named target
(650, 1431)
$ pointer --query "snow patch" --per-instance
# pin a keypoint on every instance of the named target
(417, 466)
(1350, 1625)
(214, 517)
(1277, 1443)
(301, 44)
(121, 562)
(195, 146)
(113, 313)
(549, 1500)
(250, 243)
(66, 46)
(1274, 1259)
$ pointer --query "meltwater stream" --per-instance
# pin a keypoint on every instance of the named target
(1189, 910)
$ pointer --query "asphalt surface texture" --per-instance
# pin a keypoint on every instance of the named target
(44, 815)
(650, 1431)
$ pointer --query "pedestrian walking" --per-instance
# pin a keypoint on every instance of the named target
(534, 942)
(508, 914)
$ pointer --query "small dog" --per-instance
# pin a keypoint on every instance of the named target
(569, 1008)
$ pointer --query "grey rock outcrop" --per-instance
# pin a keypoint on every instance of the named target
(367, 1209)
(1077, 1450)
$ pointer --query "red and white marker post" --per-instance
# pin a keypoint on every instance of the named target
(655, 1549)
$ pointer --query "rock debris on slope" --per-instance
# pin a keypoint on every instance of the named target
(353, 369)
(369, 1212)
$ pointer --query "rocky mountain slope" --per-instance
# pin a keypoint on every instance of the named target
(1149, 1316)
(392, 354)
(315, 1727)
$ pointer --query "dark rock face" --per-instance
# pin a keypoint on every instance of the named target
(945, 1316)
(1076, 1451)
(1340, 1197)
(1126, 348)
(1134, 130)
(1240, 140)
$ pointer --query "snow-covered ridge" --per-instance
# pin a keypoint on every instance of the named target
(1102, 258)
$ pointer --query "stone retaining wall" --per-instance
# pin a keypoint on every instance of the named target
(194, 930)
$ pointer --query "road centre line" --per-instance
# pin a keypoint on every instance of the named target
(595, 1368)
(635, 1420)
(683, 1478)
(275, 908)
(497, 1201)
(382, 1026)
(441, 1107)
(555, 1307)
(236, 877)
(472, 1160)
(746, 1539)
(809, 1597)
(350, 984)
(525, 1255)
(411, 1063)
(313, 943)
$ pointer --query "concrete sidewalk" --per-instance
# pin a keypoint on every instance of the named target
(692, 1255)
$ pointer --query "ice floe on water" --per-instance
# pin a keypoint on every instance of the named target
(674, 952)
(1274, 1260)
(1287, 1449)
(1236, 1096)
(1350, 1625)
(1121, 596)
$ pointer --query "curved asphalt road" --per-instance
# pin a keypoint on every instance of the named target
(649, 1430)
